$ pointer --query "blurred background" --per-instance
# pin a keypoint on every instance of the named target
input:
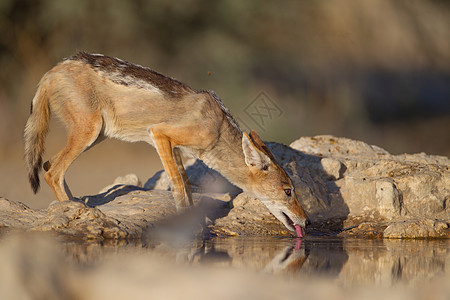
(377, 71)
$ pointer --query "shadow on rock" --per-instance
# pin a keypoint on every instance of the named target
(202, 178)
(315, 177)
(110, 194)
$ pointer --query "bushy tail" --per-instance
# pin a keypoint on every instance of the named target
(35, 132)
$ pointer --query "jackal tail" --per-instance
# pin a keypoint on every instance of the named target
(35, 132)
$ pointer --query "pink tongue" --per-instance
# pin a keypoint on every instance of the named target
(298, 229)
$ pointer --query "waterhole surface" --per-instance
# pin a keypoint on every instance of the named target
(349, 261)
(224, 268)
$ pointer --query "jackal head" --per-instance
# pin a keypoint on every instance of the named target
(272, 185)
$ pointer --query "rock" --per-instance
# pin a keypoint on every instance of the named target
(331, 146)
(17, 216)
(159, 181)
(343, 185)
(372, 181)
(421, 228)
(129, 179)
(388, 198)
(332, 167)
(126, 217)
(425, 190)
(78, 220)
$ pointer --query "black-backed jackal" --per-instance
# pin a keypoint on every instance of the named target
(97, 96)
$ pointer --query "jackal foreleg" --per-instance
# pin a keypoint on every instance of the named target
(187, 184)
(170, 158)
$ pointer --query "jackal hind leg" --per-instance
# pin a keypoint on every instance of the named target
(52, 160)
(165, 151)
(80, 136)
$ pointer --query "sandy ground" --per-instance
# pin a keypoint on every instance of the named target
(92, 171)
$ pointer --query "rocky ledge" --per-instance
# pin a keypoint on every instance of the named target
(347, 187)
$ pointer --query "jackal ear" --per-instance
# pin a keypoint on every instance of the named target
(254, 158)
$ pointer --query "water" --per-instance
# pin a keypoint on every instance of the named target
(227, 268)
(349, 261)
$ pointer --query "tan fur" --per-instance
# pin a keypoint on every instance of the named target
(97, 96)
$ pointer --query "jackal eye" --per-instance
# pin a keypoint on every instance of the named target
(288, 192)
